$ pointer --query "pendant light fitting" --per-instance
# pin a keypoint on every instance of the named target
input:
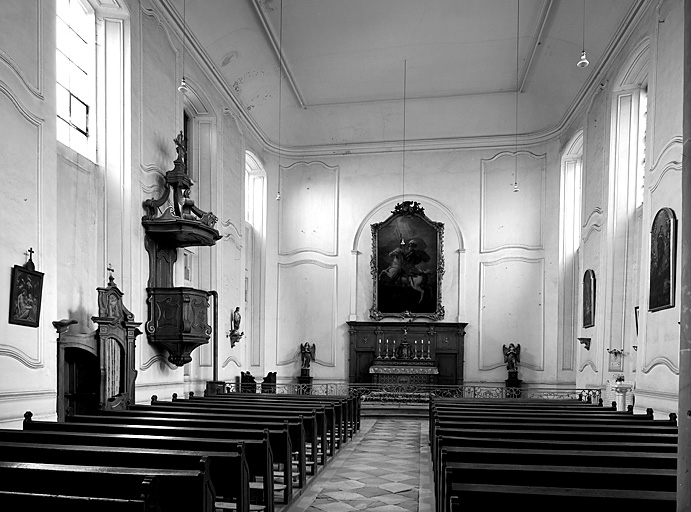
(583, 62)
(183, 85)
(280, 86)
(515, 169)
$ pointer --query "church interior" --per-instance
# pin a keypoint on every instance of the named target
(470, 194)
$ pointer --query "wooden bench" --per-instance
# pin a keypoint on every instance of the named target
(299, 425)
(179, 490)
(347, 409)
(327, 425)
(554, 468)
(14, 500)
(499, 496)
(58, 433)
(279, 438)
(296, 430)
(229, 471)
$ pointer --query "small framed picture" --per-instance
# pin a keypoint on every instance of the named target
(589, 298)
(25, 296)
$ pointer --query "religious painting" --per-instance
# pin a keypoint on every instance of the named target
(407, 265)
(662, 260)
(25, 296)
(589, 298)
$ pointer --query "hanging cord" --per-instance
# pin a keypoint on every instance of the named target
(515, 171)
(405, 79)
(280, 87)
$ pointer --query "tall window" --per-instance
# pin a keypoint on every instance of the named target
(570, 241)
(75, 62)
(642, 132)
(255, 207)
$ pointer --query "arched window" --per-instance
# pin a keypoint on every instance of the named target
(625, 198)
(255, 226)
(569, 244)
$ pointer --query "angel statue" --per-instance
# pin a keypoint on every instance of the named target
(307, 353)
(512, 356)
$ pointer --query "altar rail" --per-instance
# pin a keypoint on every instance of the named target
(419, 393)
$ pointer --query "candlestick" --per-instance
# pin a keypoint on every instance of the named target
(415, 350)
(429, 349)
(393, 354)
(386, 356)
(379, 352)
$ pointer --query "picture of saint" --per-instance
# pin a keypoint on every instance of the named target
(406, 251)
(25, 297)
(662, 253)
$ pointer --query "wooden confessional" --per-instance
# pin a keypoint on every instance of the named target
(96, 371)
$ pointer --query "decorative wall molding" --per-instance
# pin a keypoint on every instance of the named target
(588, 363)
(37, 88)
(673, 143)
(660, 395)
(670, 166)
(661, 361)
(331, 351)
(36, 122)
(149, 13)
(596, 213)
(232, 359)
(290, 208)
(485, 207)
(235, 236)
(592, 229)
(483, 293)
(158, 358)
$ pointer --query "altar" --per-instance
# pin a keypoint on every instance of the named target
(406, 353)
(403, 375)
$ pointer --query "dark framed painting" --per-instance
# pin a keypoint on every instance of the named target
(589, 298)
(407, 264)
(663, 250)
(25, 296)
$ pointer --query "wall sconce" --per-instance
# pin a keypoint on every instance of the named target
(615, 352)
(635, 347)
(585, 342)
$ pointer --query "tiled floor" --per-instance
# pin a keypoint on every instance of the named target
(386, 468)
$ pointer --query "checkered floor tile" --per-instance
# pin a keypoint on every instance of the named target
(385, 468)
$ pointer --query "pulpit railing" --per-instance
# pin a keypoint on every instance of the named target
(420, 393)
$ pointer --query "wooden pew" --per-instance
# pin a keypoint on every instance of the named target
(347, 408)
(279, 439)
(328, 431)
(179, 490)
(14, 500)
(229, 471)
(497, 496)
(552, 468)
(296, 430)
(299, 425)
(70, 434)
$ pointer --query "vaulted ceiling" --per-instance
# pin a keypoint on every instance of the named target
(356, 74)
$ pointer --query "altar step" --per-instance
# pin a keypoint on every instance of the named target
(384, 410)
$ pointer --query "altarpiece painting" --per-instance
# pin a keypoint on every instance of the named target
(407, 264)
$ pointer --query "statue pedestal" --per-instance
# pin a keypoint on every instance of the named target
(215, 387)
(304, 382)
(620, 389)
(513, 385)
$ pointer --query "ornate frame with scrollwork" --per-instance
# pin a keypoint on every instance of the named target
(396, 292)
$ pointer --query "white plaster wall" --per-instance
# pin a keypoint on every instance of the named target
(653, 367)
(27, 98)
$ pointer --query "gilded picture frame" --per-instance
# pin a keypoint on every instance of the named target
(663, 251)
(407, 265)
(589, 298)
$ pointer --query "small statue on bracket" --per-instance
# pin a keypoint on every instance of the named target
(234, 334)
